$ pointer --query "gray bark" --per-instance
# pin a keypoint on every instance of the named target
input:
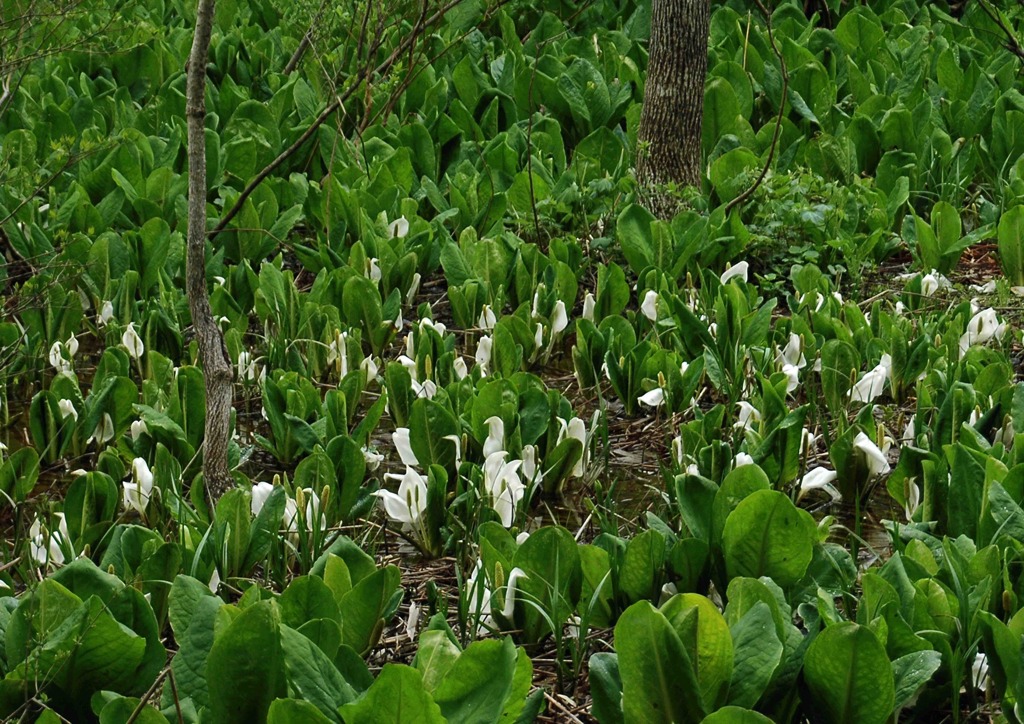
(213, 355)
(669, 135)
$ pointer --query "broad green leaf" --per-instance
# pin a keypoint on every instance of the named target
(245, 670)
(766, 535)
(396, 696)
(478, 683)
(848, 675)
(659, 683)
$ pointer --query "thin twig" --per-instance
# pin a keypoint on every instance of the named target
(137, 711)
(778, 121)
(1012, 43)
(363, 73)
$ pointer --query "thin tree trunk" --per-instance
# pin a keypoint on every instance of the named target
(213, 355)
(669, 136)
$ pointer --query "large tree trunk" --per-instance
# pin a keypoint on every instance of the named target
(213, 355)
(669, 136)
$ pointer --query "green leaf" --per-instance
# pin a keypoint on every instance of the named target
(294, 711)
(245, 670)
(658, 679)
(305, 599)
(633, 231)
(606, 688)
(1010, 235)
(849, 676)
(713, 645)
(362, 608)
(758, 653)
(397, 697)
(736, 715)
(478, 683)
(911, 672)
(769, 536)
(311, 676)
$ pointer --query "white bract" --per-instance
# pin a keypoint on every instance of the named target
(736, 271)
(106, 314)
(67, 409)
(401, 439)
(104, 431)
(495, 441)
(503, 486)
(480, 597)
(983, 327)
(47, 548)
(559, 318)
(398, 228)
(260, 493)
(589, 303)
(742, 459)
(871, 385)
(407, 505)
(748, 415)
(487, 318)
(653, 398)
(649, 307)
(819, 479)
(483, 354)
(133, 342)
(138, 429)
(872, 455)
(337, 353)
(137, 493)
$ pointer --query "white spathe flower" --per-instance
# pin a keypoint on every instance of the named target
(57, 360)
(291, 512)
(138, 429)
(372, 458)
(873, 456)
(483, 354)
(136, 494)
(983, 327)
(461, 370)
(414, 289)
(538, 336)
(214, 584)
(495, 441)
(988, 287)
(133, 342)
(337, 353)
(47, 548)
(401, 439)
(503, 486)
(589, 304)
(373, 270)
(979, 672)
(260, 492)
(653, 398)
(456, 440)
(398, 228)
(407, 505)
(578, 429)
(909, 436)
(819, 479)
(426, 389)
(559, 318)
(530, 469)
(736, 271)
(106, 314)
(649, 307)
(67, 409)
(748, 415)
(913, 497)
(487, 318)
(792, 373)
(369, 368)
(480, 597)
(104, 431)
(871, 385)
(792, 353)
(248, 371)
(71, 345)
(933, 282)
(742, 459)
